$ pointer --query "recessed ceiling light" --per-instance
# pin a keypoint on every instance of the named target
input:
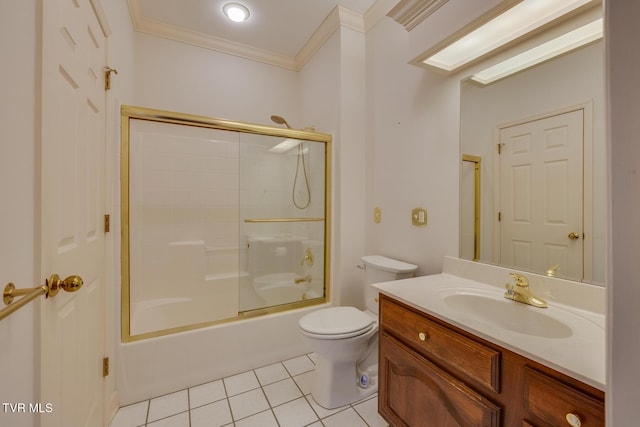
(236, 12)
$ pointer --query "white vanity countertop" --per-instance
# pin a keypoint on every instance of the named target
(576, 347)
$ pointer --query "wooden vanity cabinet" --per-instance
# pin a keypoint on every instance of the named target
(432, 374)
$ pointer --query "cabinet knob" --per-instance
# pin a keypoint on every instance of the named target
(573, 420)
(422, 336)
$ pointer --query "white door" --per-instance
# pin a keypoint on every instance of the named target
(541, 192)
(72, 211)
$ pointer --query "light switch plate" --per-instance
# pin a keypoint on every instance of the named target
(419, 217)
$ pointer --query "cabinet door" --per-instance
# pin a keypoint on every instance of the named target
(415, 392)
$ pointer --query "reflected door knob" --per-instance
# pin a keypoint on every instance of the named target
(573, 236)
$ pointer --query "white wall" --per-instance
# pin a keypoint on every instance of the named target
(350, 174)
(332, 98)
(412, 153)
(179, 77)
(19, 199)
(623, 58)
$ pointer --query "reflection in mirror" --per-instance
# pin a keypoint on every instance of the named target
(470, 196)
(541, 136)
(220, 220)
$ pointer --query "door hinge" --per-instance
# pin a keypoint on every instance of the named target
(500, 148)
(499, 216)
(107, 77)
(107, 223)
(105, 366)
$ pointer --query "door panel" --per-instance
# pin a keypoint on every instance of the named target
(72, 208)
(541, 194)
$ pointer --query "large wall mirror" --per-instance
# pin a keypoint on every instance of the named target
(533, 195)
(221, 220)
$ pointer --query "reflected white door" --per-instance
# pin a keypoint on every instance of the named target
(541, 194)
(72, 211)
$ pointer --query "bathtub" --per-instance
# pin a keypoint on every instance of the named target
(279, 288)
(157, 366)
(215, 298)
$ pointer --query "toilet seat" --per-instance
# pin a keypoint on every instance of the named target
(336, 323)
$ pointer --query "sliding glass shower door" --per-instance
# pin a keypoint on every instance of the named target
(220, 220)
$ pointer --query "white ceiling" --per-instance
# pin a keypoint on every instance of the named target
(275, 28)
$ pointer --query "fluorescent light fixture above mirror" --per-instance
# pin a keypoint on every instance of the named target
(558, 46)
(521, 19)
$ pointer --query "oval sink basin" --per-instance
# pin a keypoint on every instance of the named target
(511, 315)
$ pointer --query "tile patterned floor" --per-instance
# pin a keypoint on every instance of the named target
(277, 395)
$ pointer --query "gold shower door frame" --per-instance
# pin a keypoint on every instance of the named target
(129, 113)
(476, 160)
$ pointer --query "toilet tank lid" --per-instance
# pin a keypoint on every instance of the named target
(388, 264)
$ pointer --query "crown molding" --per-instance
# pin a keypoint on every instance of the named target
(214, 43)
(410, 13)
(378, 10)
(338, 17)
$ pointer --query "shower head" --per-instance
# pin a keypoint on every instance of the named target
(280, 120)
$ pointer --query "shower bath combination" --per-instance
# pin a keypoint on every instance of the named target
(210, 233)
(300, 159)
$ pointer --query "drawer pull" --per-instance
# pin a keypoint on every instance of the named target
(422, 336)
(573, 420)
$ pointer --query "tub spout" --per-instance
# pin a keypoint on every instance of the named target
(305, 279)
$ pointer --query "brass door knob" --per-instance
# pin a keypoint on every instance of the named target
(573, 236)
(70, 284)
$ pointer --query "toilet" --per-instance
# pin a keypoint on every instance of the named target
(345, 339)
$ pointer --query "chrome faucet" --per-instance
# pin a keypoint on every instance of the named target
(305, 279)
(520, 292)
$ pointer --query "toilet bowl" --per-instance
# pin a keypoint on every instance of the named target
(345, 340)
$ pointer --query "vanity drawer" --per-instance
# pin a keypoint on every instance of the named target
(559, 404)
(447, 348)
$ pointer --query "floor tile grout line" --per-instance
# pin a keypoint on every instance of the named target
(289, 376)
(189, 406)
(271, 407)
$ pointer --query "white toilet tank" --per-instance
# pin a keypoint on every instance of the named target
(379, 269)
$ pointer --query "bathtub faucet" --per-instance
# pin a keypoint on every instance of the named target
(305, 279)
(308, 258)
